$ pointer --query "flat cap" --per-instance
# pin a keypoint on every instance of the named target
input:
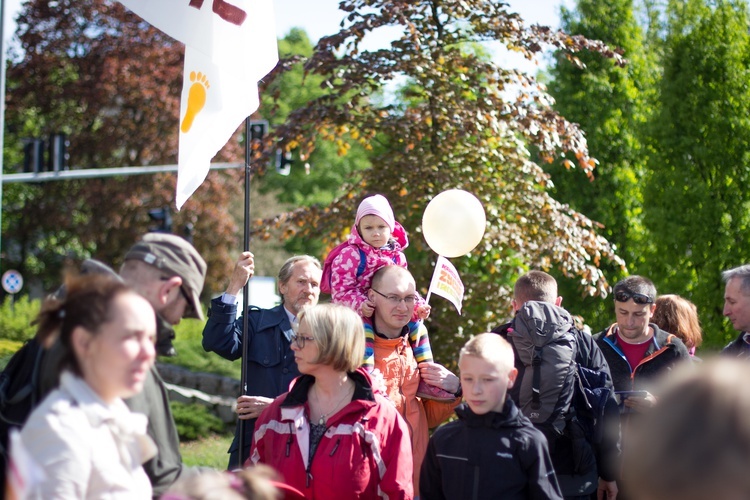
(175, 256)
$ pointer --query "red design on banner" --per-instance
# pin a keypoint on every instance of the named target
(228, 12)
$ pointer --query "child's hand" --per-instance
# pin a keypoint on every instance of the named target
(378, 383)
(366, 309)
(423, 311)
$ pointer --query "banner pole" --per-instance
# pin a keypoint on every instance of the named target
(435, 275)
(245, 291)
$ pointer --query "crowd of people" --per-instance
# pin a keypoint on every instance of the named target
(340, 398)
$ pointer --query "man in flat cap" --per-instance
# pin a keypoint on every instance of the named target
(168, 272)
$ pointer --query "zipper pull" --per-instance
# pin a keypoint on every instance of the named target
(335, 447)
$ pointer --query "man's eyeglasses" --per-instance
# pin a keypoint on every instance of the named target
(638, 298)
(300, 340)
(189, 307)
(395, 300)
(185, 295)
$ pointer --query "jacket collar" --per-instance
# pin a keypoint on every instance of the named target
(128, 429)
(301, 385)
(276, 316)
(658, 341)
(164, 337)
(509, 417)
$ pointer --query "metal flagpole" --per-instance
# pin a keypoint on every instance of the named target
(245, 290)
(2, 115)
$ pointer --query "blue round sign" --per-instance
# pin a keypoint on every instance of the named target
(12, 281)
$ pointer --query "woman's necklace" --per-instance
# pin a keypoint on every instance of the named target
(324, 416)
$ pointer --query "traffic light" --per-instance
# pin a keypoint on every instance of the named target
(283, 161)
(33, 156)
(258, 129)
(164, 217)
(58, 152)
(189, 230)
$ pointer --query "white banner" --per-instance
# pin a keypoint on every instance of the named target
(230, 46)
(447, 283)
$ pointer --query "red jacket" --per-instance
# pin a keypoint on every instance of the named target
(365, 453)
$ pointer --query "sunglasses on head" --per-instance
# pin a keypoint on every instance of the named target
(638, 298)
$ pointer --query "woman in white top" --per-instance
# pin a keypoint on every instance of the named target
(83, 437)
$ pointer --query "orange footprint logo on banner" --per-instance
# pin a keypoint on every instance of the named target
(196, 99)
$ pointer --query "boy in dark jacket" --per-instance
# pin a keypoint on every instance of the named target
(492, 450)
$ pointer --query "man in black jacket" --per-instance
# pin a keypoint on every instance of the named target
(541, 287)
(737, 309)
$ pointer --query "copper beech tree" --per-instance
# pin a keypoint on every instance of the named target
(460, 121)
(112, 83)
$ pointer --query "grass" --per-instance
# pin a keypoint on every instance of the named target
(210, 451)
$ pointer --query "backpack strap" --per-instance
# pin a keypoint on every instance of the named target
(362, 262)
(536, 378)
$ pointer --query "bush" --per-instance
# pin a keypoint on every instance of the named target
(190, 353)
(16, 317)
(195, 421)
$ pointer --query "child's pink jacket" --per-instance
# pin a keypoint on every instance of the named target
(351, 290)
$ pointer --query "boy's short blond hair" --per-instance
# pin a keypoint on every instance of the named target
(489, 347)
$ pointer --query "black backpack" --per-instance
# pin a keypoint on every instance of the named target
(562, 398)
(541, 338)
(20, 393)
(555, 387)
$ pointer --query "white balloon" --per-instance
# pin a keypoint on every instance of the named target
(453, 223)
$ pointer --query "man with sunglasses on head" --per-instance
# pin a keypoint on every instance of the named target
(637, 351)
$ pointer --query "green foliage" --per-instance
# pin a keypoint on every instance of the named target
(610, 103)
(16, 317)
(313, 178)
(456, 124)
(7, 349)
(195, 421)
(190, 353)
(696, 196)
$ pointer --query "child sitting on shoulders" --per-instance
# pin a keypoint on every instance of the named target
(492, 450)
(376, 240)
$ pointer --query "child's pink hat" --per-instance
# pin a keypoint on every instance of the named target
(376, 205)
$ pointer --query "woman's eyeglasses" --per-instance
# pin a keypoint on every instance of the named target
(300, 340)
(638, 298)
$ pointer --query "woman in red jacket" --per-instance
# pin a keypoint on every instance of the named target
(331, 436)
